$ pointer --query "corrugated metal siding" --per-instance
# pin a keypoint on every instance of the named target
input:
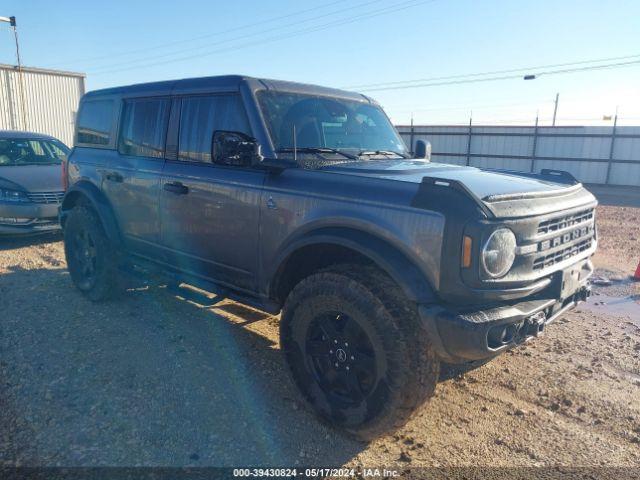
(51, 99)
(585, 152)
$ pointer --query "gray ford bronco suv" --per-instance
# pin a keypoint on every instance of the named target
(304, 200)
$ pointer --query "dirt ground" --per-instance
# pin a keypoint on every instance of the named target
(153, 379)
(619, 238)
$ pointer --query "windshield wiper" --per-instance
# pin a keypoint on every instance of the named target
(380, 152)
(316, 150)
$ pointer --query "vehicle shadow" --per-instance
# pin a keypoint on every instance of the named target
(450, 371)
(16, 242)
(148, 379)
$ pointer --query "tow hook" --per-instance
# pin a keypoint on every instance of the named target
(584, 294)
(535, 324)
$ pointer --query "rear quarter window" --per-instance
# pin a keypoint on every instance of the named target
(95, 122)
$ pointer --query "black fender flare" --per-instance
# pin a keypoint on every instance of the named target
(390, 259)
(89, 193)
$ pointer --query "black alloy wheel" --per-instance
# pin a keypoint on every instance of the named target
(341, 357)
(85, 255)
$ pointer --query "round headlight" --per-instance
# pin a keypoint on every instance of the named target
(499, 252)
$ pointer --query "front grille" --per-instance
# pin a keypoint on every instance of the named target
(45, 221)
(29, 222)
(566, 221)
(45, 197)
(561, 238)
(546, 261)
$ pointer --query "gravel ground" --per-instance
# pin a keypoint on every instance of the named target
(154, 379)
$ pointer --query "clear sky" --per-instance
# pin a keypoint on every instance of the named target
(353, 43)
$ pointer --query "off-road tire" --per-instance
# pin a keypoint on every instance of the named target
(103, 284)
(406, 364)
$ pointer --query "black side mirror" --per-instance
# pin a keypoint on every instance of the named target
(423, 150)
(234, 148)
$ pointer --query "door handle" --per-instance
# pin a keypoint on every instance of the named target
(113, 177)
(176, 187)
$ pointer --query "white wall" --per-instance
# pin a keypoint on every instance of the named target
(582, 151)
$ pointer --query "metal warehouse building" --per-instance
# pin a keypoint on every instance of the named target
(38, 100)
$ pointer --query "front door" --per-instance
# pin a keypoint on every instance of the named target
(132, 177)
(210, 212)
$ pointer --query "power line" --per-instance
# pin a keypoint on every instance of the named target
(467, 107)
(229, 40)
(504, 77)
(201, 37)
(397, 7)
(542, 119)
(494, 72)
(592, 67)
(386, 10)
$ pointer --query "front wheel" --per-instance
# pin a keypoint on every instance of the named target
(91, 259)
(357, 350)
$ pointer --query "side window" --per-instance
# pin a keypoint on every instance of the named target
(201, 116)
(36, 147)
(58, 149)
(144, 127)
(94, 122)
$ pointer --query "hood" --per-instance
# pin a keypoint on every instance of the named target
(32, 178)
(483, 183)
(497, 191)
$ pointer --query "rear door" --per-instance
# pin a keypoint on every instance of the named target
(210, 212)
(132, 177)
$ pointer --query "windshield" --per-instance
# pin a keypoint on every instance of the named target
(22, 151)
(356, 127)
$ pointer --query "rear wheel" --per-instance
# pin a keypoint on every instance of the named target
(91, 259)
(356, 349)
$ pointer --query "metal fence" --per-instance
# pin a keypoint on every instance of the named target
(44, 101)
(601, 155)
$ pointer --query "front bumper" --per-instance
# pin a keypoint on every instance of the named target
(467, 335)
(44, 218)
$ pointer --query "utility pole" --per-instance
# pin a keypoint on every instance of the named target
(555, 110)
(411, 135)
(611, 149)
(469, 138)
(12, 21)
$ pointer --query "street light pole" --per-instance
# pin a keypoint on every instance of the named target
(555, 108)
(12, 21)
